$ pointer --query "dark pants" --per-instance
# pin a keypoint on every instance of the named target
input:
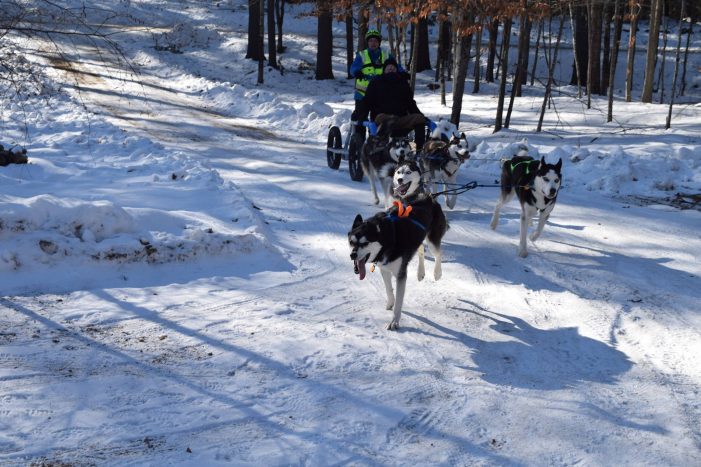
(393, 125)
(359, 116)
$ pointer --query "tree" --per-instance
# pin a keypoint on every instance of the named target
(478, 58)
(686, 56)
(280, 16)
(423, 58)
(272, 55)
(593, 80)
(350, 52)
(261, 34)
(634, 12)
(506, 37)
(552, 56)
(463, 42)
(541, 27)
(254, 50)
(578, 19)
(651, 60)
(324, 49)
(523, 39)
(493, 29)
(606, 19)
(617, 28)
(668, 124)
(660, 77)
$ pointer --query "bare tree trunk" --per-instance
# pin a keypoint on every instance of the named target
(551, 72)
(504, 72)
(617, 29)
(441, 44)
(280, 15)
(363, 18)
(272, 55)
(676, 68)
(253, 50)
(524, 35)
(541, 26)
(606, 26)
(261, 36)
(634, 12)
(478, 58)
(462, 59)
(686, 57)
(523, 39)
(493, 34)
(350, 52)
(576, 47)
(590, 49)
(414, 57)
(660, 77)
(324, 48)
(526, 57)
(440, 59)
(651, 60)
(423, 58)
(594, 56)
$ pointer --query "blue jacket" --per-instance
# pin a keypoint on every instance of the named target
(378, 56)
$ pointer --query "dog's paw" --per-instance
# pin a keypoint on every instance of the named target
(393, 325)
(389, 305)
(534, 236)
(420, 274)
(523, 253)
(377, 200)
(437, 273)
(493, 224)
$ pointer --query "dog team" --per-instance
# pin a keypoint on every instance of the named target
(410, 181)
(410, 178)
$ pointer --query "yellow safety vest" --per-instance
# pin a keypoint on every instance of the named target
(361, 84)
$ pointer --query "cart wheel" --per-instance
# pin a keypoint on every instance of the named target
(354, 167)
(334, 142)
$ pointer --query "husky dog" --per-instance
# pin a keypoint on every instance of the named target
(440, 162)
(392, 238)
(444, 130)
(379, 159)
(536, 184)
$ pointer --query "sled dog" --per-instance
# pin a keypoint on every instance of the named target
(391, 238)
(536, 184)
(379, 159)
(440, 162)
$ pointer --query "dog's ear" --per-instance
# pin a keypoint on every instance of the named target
(558, 166)
(462, 135)
(358, 220)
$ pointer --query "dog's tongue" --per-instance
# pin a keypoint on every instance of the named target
(360, 268)
(401, 189)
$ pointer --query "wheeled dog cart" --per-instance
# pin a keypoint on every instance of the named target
(337, 149)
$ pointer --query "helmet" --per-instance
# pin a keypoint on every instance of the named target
(373, 33)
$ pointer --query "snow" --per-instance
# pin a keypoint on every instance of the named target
(176, 287)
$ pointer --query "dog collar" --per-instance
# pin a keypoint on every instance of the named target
(403, 213)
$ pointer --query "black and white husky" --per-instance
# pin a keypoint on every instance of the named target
(536, 184)
(440, 162)
(391, 238)
(379, 159)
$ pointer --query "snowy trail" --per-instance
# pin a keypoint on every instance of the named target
(297, 361)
